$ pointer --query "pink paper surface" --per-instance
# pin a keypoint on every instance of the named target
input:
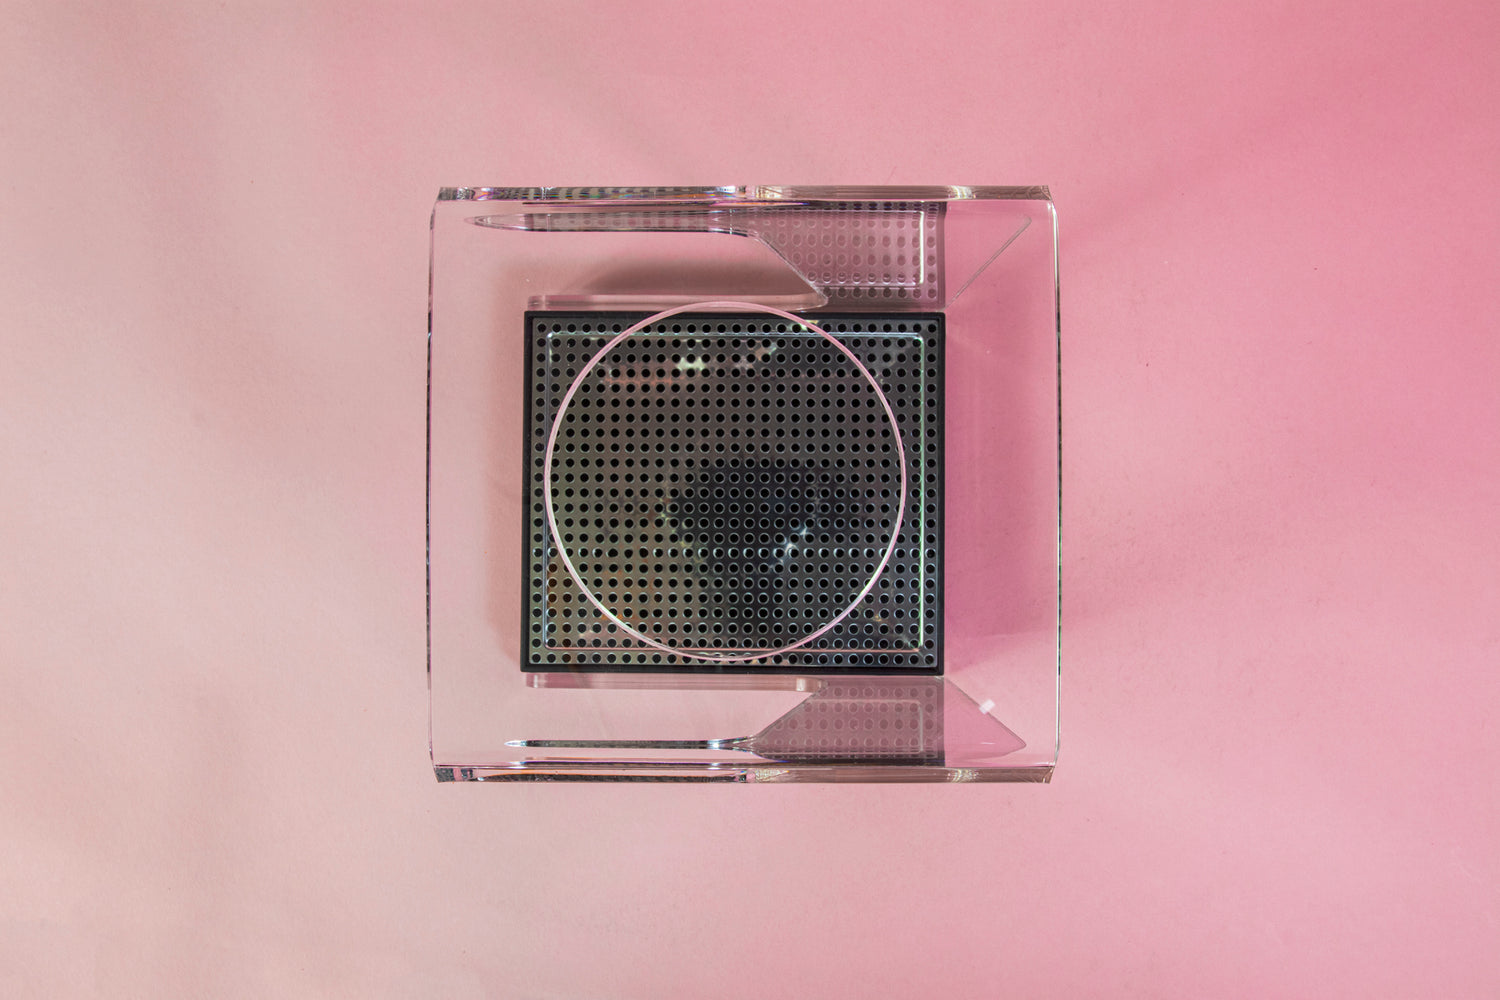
(1280, 243)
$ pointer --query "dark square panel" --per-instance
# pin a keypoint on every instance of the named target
(729, 482)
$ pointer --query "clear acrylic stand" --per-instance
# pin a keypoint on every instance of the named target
(705, 598)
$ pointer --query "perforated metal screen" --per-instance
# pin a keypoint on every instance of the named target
(729, 483)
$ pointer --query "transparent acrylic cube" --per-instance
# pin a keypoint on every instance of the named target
(802, 526)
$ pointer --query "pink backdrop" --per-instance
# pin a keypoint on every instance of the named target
(1280, 247)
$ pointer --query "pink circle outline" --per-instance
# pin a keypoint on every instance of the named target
(552, 444)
